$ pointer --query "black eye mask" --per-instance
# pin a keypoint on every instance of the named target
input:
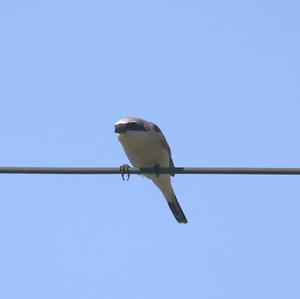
(122, 128)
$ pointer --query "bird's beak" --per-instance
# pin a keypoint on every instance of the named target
(120, 128)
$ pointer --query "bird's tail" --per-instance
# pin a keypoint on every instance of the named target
(176, 210)
(164, 184)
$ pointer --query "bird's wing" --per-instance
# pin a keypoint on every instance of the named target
(165, 145)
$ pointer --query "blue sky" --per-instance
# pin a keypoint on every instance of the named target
(220, 78)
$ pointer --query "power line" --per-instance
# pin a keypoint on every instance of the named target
(145, 170)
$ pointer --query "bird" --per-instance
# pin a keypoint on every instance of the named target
(146, 146)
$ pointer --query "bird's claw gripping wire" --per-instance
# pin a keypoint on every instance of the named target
(125, 171)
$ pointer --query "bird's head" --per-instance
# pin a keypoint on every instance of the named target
(130, 124)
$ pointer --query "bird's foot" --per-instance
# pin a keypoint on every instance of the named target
(157, 169)
(125, 171)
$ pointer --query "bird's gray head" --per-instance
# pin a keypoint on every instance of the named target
(124, 125)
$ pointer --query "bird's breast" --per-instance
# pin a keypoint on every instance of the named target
(143, 149)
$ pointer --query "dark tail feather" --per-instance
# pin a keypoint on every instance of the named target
(177, 211)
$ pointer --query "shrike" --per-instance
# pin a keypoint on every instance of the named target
(146, 146)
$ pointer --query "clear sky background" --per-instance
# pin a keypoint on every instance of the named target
(220, 78)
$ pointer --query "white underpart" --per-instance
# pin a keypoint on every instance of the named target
(145, 149)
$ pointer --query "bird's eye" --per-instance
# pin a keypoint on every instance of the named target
(132, 125)
(135, 126)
